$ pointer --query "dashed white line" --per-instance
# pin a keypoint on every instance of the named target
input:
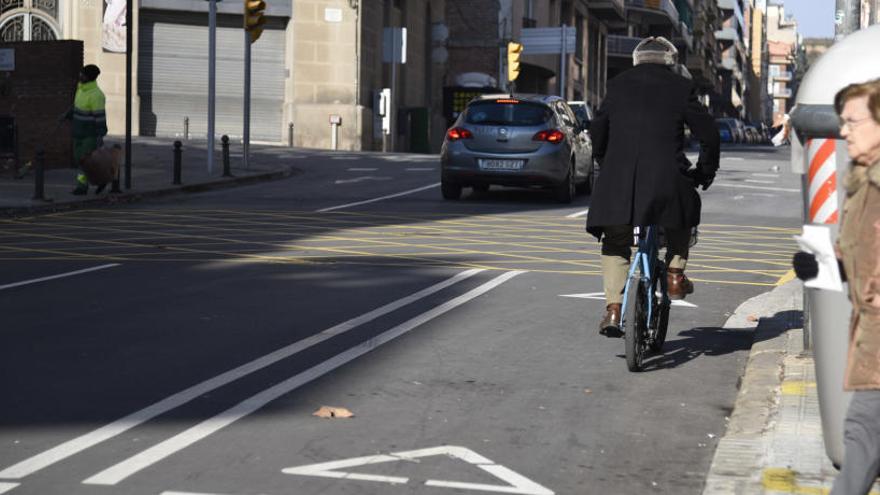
(54, 277)
(404, 193)
(362, 169)
(419, 169)
(578, 214)
(765, 175)
(5, 487)
(160, 451)
(756, 181)
(83, 442)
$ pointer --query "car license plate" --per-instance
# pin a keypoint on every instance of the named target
(486, 164)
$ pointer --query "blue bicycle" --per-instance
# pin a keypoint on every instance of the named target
(646, 302)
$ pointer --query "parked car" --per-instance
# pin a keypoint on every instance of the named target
(524, 140)
(737, 128)
(725, 131)
(584, 114)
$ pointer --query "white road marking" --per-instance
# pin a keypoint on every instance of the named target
(600, 296)
(362, 169)
(5, 487)
(756, 181)
(78, 444)
(361, 179)
(189, 493)
(419, 169)
(734, 158)
(404, 193)
(53, 277)
(578, 214)
(516, 482)
(765, 175)
(762, 188)
(160, 451)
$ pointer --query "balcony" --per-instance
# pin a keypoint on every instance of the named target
(608, 10)
(731, 7)
(782, 93)
(655, 11)
(783, 76)
(622, 46)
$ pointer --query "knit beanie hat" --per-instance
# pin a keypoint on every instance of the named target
(91, 72)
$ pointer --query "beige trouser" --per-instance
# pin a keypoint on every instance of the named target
(617, 251)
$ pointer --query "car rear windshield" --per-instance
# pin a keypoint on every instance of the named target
(509, 112)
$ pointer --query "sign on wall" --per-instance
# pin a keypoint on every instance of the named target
(114, 28)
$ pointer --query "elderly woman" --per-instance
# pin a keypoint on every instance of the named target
(858, 250)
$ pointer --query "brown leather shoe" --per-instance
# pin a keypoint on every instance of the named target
(678, 285)
(610, 325)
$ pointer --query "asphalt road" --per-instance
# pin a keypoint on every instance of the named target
(181, 346)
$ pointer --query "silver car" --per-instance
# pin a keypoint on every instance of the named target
(524, 141)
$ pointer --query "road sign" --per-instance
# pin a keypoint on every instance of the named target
(548, 41)
(516, 483)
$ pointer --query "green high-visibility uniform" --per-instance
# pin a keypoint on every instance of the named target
(89, 123)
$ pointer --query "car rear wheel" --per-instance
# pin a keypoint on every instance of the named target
(450, 190)
(566, 191)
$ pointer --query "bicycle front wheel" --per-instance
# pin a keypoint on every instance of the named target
(635, 320)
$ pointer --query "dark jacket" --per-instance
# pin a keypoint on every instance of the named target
(638, 139)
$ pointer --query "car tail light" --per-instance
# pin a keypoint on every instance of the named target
(457, 133)
(550, 135)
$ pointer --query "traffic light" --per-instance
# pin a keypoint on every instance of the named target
(253, 18)
(514, 50)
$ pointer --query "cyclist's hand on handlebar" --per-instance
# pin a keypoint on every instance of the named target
(701, 179)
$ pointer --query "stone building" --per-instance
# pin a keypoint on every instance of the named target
(315, 59)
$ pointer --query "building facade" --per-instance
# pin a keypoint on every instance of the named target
(782, 46)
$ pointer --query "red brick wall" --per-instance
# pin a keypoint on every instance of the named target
(41, 88)
(473, 37)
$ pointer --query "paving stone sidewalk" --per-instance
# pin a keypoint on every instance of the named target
(773, 444)
(152, 160)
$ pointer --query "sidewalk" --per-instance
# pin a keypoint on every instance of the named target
(151, 175)
(773, 444)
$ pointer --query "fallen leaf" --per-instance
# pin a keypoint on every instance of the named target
(752, 318)
(588, 391)
(333, 412)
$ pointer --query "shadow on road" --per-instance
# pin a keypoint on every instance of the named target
(715, 341)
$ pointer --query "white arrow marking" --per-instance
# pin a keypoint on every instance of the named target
(5, 487)
(361, 179)
(516, 483)
(600, 296)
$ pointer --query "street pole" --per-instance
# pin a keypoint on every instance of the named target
(246, 133)
(129, 41)
(212, 67)
(562, 65)
(392, 107)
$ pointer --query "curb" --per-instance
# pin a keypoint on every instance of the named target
(133, 197)
(738, 462)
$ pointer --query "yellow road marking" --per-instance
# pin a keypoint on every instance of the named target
(788, 277)
(797, 387)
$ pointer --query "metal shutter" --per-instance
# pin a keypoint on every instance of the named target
(173, 76)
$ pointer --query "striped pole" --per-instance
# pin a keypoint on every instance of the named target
(822, 178)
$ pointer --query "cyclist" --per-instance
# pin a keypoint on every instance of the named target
(645, 179)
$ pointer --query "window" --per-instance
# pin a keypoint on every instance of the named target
(29, 20)
(511, 114)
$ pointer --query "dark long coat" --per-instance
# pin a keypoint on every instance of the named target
(638, 139)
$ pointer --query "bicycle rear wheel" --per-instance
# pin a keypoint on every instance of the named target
(659, 339)
(635, 319)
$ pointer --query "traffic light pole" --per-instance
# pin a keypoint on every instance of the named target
(246, 134)
(212, 82)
